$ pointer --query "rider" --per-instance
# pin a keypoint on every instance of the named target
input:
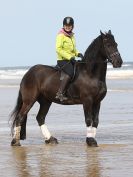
(66, 52)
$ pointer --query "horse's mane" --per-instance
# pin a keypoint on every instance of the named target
(91, 51)
(90, 55)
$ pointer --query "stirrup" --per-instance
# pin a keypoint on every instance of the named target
(61, 97)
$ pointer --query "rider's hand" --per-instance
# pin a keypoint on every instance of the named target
(80, 55)
(73, 60)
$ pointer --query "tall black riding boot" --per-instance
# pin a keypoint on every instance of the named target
(64, 82)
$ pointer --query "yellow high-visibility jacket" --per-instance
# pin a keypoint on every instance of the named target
(65, 46)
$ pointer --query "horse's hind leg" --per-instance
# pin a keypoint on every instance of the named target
(23, 129)
(44, 107)
(19, 120)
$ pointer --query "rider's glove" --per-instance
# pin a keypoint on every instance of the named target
(80, 55)
(73, 60)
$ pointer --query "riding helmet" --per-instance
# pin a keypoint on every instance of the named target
(68, 21)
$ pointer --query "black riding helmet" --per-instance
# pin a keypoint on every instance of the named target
(68, 21)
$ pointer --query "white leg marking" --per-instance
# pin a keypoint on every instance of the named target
(94, 130)
(91, 132)
(45, 131)
(17, 132)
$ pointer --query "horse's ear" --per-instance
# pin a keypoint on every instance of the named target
(109, 32)
(102, 34)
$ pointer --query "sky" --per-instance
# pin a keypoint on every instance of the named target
(28, 28)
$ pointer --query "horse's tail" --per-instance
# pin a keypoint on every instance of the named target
(14, 114)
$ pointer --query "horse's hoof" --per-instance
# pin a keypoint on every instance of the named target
(91, 142)
(15, 143)
(51, 140)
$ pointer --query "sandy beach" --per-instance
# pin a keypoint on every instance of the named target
(71, 157)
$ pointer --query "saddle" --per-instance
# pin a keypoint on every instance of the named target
(58, 68)
(69, 91)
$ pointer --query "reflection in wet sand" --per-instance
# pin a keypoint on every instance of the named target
(47, 161)
(21, 161)
(94, 167)
(72, 160)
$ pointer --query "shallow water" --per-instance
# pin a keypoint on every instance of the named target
(71, 157)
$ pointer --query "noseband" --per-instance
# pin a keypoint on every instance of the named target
(109, 60)
(114, 54)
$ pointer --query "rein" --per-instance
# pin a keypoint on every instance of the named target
(106, 61)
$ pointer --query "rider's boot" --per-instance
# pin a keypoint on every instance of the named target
(64, 82)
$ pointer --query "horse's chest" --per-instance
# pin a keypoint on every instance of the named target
(102, 89)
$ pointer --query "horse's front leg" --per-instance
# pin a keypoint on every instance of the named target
(89, 120)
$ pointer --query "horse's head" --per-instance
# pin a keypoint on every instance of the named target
(110, 50)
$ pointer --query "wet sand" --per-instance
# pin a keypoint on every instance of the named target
(71, 157)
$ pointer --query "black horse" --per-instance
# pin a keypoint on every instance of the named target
(41, 84)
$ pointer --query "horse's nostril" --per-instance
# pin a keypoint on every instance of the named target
(119, 63)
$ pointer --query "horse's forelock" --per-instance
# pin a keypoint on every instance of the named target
(109, 36)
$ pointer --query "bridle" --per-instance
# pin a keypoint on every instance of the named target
(109, 56)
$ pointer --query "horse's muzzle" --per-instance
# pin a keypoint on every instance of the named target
(116, 61)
